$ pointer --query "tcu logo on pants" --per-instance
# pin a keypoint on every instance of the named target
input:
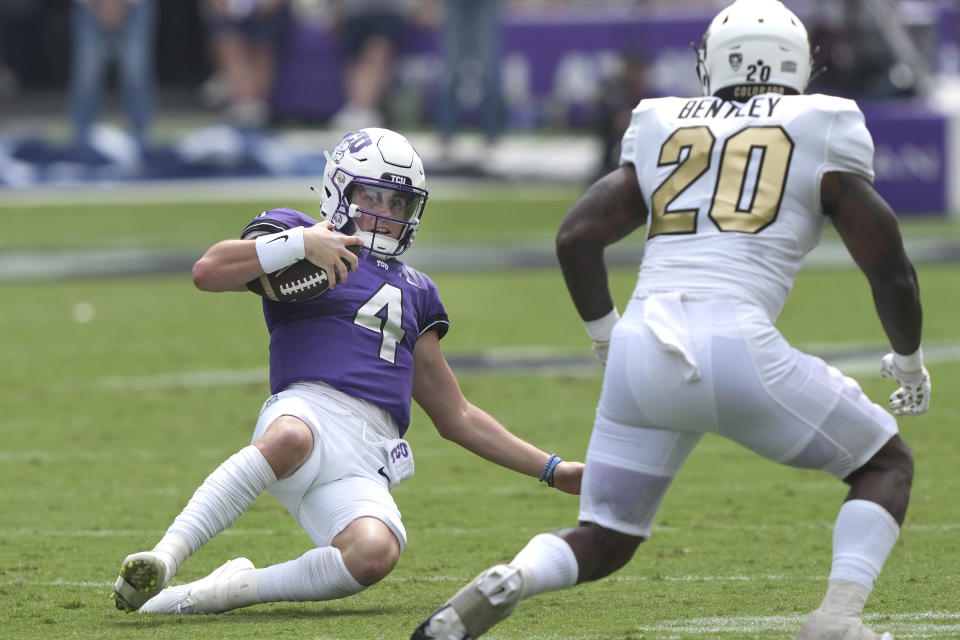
(400, 451)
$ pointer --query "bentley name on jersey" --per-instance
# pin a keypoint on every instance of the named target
(733, 189)
(357, 337)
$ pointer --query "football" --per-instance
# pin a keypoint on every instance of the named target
(301, 281)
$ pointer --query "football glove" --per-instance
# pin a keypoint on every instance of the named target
(913, 396)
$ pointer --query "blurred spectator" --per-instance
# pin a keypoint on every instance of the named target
(9, 9)
(618, 99)
(105, 30)
(371, 32)
(471, 49)
(856, 58)
(246, 40)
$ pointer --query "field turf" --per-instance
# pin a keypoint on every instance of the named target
(121, 393)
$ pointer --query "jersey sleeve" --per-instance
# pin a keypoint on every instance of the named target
(276, 220)
(646, 122)
(432, 314)
(628, 144)
(849, 144)
(435, 316)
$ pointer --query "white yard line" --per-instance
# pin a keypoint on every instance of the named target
(927, 624)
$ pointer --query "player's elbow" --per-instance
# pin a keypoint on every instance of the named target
(571, 243)
(204, 275)
(446, 431)
(566, 242)
(454, 427)
(906, 283)
(898, 280)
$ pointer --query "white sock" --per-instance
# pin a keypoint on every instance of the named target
(550, 562)
(845, 598)
(862, 539)
(224, 495)
(176, 547)
(319, 574)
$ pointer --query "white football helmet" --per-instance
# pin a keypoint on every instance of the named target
(376, 173)
(756, 46)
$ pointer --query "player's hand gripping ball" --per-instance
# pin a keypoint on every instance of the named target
(299, 282)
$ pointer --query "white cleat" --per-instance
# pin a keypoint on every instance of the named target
(485, 601)
(443, 624)
(142, 576)
(218, 592)
(826, 626)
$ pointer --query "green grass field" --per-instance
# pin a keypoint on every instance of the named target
(121, 394)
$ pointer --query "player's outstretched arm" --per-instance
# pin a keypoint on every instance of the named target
(230, 264)
(869, 229)
(435, 388)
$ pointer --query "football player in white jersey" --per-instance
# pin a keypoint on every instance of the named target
(734, 188)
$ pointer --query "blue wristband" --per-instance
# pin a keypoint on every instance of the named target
(547, 474)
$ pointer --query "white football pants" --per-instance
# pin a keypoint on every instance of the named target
(682, 367)
(340, 480)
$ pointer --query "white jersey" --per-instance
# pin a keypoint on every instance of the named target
(733, 189)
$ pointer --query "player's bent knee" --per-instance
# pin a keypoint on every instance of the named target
(286, 444)
(901, 459)
(617, 548)
(370, 550)
(600, 551)
(895, 458)
(371, 560)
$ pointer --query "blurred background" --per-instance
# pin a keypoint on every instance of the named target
(95, 91)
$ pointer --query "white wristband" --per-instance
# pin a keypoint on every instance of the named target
(600, 329)
(279, 250)
(912, 363)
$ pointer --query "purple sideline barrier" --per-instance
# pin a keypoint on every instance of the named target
(911, 160)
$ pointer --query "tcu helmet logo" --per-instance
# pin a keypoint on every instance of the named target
(400, 451)
(392, 177)
(352, 142)
(735, 59)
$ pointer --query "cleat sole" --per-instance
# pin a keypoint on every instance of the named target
(135, 584)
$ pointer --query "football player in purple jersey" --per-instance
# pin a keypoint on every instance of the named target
(734, 188)
(344, 367)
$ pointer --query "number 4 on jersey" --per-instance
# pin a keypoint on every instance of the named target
(383, 314)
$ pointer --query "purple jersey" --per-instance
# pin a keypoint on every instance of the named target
(358, 337)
